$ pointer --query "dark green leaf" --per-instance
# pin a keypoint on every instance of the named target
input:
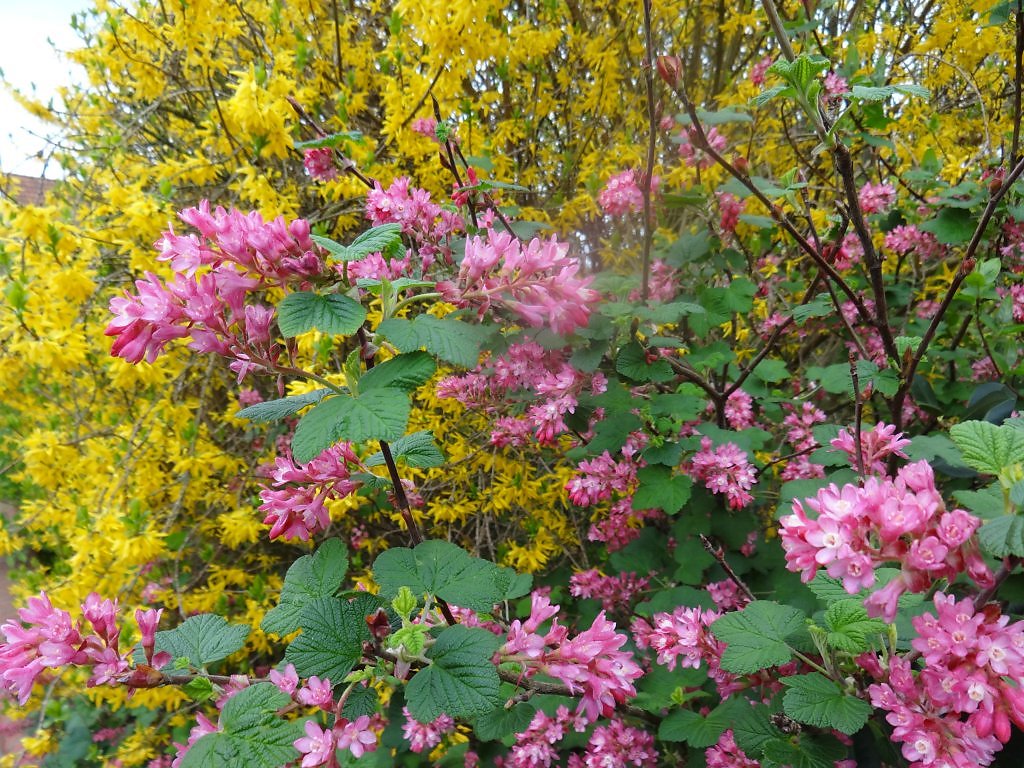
(696, 730)
(251, 733)
(815, 700)
(202, 639)
(333, 633)
(274, 410)
(448, 338)
(442, 569)
(461, 680)
(380, 414)
(632, 363)
(333, 314)
(951, 226)
(659, 488)
(752, 727)
(405, 372)
(417, 449)
(309, 577)
(809, 752)
(762, 635)
(501, 722)
(382, 238)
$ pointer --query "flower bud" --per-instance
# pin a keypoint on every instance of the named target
(670, 69)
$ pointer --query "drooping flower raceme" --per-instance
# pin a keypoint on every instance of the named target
(537, 281)
(725, 469)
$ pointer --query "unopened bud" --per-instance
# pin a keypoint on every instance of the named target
(670, 69)
(378, 624)
(967, 266)
(142, 676)
(739, 162)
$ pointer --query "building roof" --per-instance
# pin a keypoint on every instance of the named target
(27, 190)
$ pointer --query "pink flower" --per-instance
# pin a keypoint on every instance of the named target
(316, 747)
(317, 693)
(758, 71)
(729, 209)
(148, 621)
(356, 736)
(618, 744)
(835, 85)
(287, 681)
(616, 592)
(877, 445)
(697, 157)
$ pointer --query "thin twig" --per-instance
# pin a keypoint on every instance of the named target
(652, 128)
(719, 555)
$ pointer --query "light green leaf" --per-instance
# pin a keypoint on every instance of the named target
(767, 95)
(1003, 536)
(202, 639)
(418, 450)
(251, 733)
(275, 410)
(382, 238)
(988, 448)
(406, 372)
(849, 626)
(308, 578)
(379, 414)
(461, 680)
(872, 93)
(762, 635)
(333, 314)
(333, 633)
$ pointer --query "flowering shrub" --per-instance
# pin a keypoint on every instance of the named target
(415, 481)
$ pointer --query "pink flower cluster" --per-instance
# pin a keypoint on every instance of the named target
(621, 525)
(622, 193)
(902, 520)
(682, 637)
(319, 164)
(739, 410)
(662, 286)
(727, 754)
(876, 198)
(801, 436)
(616, 593)
(596, 479)
(724, 469)
(234, 255)
(729, 209)
(617, 744)
(591, 663)
(295, 504)
(44, 637)
(876, 446)
(958, 711)
(423, 736)
(907, 238)
(536, 281)
(428, 223)
(536, 746)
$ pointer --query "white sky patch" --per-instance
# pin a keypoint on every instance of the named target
(31, 64)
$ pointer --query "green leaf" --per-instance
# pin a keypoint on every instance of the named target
(771, 371)
(310, 577)
(632, 363)
(815, 700)
(752, 727)
(872, 93)
(361, 701)
(912, 89)
(808, 752)
(762, 635)
(501, 722)
(660, 489)
(382, 238)
(202, 639)
(951, 226)
(406, 372)
(450, 339)
(988, 448)
(442, 569)
(767, 95)
(251, 733)
(333, 633)
(461, 680)
(1003, 536)
(849, 626)
(275, 410)
(380, 414)
(199, 689)
(417, 449)
(331, 140)
(332, 313)
(696, 730)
